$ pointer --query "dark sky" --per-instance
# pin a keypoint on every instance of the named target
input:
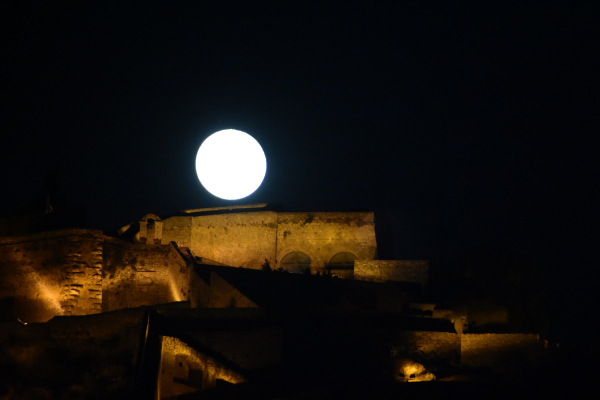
(461, 126)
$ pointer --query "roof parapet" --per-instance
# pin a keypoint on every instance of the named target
(196, 210)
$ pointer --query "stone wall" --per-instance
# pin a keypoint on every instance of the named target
(427, 345)
(241, 239)
(247, 239)
(139, 274)
(322, 235)
(501, 351)
(185, 370)
(178, 230)
(392, 270)
(49, 274)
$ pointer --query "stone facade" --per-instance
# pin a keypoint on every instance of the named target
(247, 239)
(323, 235)
(80, 272)
(240, 239)
(137, 275)
(53, 273)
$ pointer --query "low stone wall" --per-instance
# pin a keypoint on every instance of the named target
(392, 270)
(501, 351)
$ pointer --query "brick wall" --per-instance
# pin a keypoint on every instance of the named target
(392, 270)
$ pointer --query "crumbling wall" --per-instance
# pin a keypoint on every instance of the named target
(392, 270)
(140, 274)
(504, 352)
(241, 239)
(48, 274)
(322, 235)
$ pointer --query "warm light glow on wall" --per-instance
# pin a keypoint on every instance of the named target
(48, 293)
(174, 288)
(174, 347)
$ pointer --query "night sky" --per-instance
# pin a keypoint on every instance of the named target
(460, 127)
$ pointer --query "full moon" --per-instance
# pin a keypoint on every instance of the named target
(231, 164)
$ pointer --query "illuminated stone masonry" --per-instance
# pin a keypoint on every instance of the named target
(191, 262)
(81, 272)
(82, 288)
(137, 275)
(251, 238)
(52, 273)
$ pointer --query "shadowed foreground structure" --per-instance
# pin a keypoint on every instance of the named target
(306, 311)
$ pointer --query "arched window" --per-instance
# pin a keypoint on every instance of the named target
(295, 262)
(342, 265)
(342, 260)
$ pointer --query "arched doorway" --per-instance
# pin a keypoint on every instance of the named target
(342, 265)
(295, 262)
